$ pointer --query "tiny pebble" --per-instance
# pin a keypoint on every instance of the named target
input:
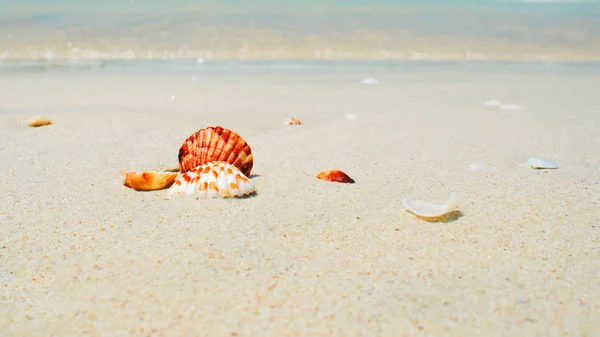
(522, 300)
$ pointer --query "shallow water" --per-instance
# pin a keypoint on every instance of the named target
(531, 30)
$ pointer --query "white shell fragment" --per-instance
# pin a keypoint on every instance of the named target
(536, 163)
(369, 81)
(493, 102)
(502, 106)
(427, 209)
(351, 117)
(476, 166)
(214, 179)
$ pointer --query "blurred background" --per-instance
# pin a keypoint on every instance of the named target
(511, 30)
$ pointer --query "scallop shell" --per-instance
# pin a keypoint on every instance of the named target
(38, 121)
(215, 144)
(148, 181)
(537, 163)
(427, 209)
(335, 176)
(215, 179)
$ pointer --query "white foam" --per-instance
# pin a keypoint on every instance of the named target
(48, 54)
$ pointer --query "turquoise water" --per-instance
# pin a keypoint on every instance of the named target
(66, 30)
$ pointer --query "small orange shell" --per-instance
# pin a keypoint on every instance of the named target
(148, 181)
(215, 144)
(335, 176)
(292, 121)
(38, 121)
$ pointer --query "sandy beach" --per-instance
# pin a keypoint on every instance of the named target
(81, 254)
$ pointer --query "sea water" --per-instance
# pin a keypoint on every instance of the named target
(65, 31)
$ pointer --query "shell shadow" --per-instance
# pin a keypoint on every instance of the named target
(254, 176)
(247, 196)
(445, 218)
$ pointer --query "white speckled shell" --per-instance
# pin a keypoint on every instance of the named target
(214, 179)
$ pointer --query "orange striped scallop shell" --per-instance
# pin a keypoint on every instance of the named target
(215, 144)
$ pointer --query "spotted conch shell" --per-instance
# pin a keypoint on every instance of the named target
(215, 144)
(215, 179)
(148, 181)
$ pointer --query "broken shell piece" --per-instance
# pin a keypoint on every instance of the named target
(493, 102)
(38, 121)
(292, 121)
(335, 176)
(536, 163)
(215, 179)
(148, 181)
(215, 144)
(476, 166)
(427, 209)
(351, 116)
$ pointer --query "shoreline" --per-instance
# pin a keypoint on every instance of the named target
(191, 65)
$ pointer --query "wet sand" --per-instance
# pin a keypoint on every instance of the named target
(82, 254)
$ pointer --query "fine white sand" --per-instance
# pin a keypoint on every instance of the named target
(82, 254)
